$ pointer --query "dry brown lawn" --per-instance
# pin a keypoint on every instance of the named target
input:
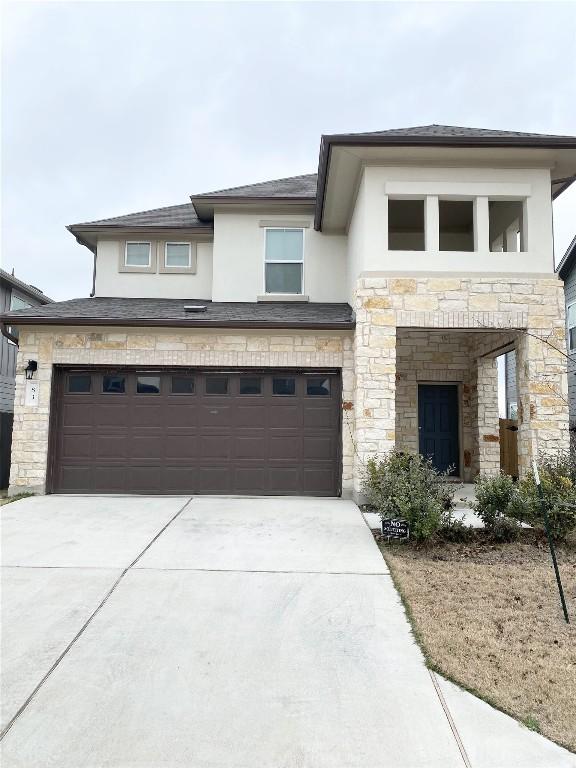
(488, 617)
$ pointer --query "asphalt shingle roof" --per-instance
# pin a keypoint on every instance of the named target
(293, 186)
(172, 216)
(171, 312)
(451, 131)
(30, 290)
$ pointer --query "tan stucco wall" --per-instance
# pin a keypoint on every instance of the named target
(133, 347)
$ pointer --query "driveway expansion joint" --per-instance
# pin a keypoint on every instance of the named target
(88, 621)
(450, 719)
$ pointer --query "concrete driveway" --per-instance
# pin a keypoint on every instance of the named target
(227, 633)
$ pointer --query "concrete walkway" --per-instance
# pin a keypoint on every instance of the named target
(223, 633)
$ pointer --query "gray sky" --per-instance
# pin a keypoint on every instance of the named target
(110, 108)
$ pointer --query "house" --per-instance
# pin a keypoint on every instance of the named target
(14, 294)
(269, 338)
(567, 272)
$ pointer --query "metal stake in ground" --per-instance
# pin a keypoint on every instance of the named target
(549, 537)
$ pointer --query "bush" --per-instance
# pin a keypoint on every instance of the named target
(408, 486)
(493, 496)
(557, 479)
(455, 530)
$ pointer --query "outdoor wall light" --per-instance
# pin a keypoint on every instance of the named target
(31, 368)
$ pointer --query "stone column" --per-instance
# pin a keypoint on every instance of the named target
(542, 394)
(375, 368)
(487, 454)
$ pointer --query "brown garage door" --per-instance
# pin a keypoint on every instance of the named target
(179, 431)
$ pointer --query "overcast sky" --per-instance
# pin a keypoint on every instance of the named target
(110, 108)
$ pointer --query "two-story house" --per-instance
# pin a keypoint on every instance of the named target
(14, 294)
(268, 339)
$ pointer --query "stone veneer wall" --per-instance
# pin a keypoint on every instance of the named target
(121, 346)
(385, 302)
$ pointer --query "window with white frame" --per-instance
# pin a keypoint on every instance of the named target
(178, 255)
(138, 254)
(284, 260)
(571, 323)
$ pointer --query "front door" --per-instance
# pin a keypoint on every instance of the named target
(438, 425)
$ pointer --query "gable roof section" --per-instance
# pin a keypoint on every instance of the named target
(30, 290)
(567, 261)
(172, 313)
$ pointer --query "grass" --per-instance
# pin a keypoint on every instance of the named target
(488, 617)
(10, 499)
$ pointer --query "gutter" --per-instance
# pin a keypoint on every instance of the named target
(6, 333)
(180, 323)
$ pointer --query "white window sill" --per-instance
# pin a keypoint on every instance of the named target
(283, 297)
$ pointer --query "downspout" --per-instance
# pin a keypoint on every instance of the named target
(6, 333)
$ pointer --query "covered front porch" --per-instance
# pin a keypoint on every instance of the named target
(447, 398)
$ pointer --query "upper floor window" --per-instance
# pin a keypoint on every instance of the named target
(406, 225)
(456, 225)
(17, 303)
(284, 260)
(571, 323)
(506, 223)
(178, 255)
(138, 254)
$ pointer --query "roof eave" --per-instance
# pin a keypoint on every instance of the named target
(567, 261)
(204, 206)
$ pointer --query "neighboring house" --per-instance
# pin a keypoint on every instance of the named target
(14, 294)
(567, 272)
(268, 339)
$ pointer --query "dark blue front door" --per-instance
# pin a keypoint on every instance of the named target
(438, 425)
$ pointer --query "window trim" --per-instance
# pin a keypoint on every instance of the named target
(192, 267)
(123, 255)
(568, 326)
(266, 261)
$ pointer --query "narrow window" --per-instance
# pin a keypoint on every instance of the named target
(79, 383)
(319, 387)
(178, 255)
(406, 225)
(250, 385)
(182, 385)
(138, 254)
(571, 322)
(284, 386)
(284, 260)
(16, 303)
(506, 219)
(456, 225)
(148, 385)
(113, 385)
(216, 385)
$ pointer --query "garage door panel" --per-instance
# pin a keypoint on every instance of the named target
(261, 432)
(181, 413)
(148, 415)
(77, 415)
(181, 446)
(110, 478)
(282, 414)
(76, 446)
(215, 446)
(116, 415)
(250, 446)
(319, 447)
(111, 446)
(149, 446)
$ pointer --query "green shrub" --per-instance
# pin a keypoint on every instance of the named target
(559, 491)
(493, 496)
(505, 529)
(456, 530)
(407, 486)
